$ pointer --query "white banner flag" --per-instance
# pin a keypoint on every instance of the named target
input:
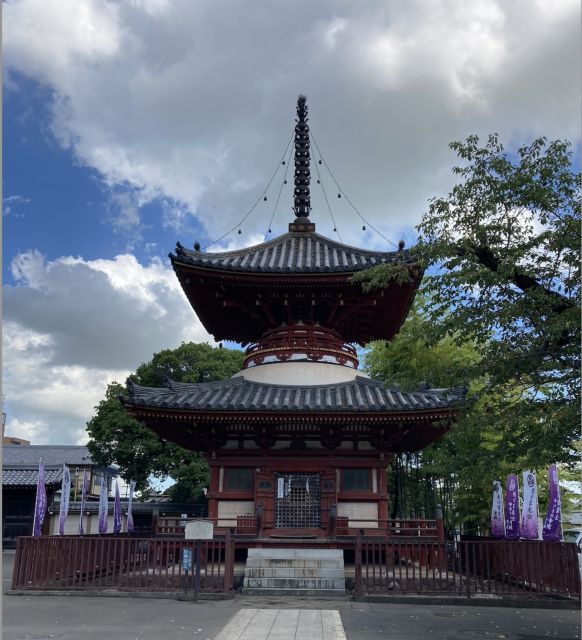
(130, 526)
(497, 518)
(529, 513)
(65, 496)
(84, 490)
(103, 505)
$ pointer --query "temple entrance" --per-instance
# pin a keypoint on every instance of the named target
(297, 501)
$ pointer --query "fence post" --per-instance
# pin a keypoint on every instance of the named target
(17, 561)
(441, 546)
(358, 587)
(228, 561)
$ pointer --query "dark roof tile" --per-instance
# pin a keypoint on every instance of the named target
(293, 252)
(238, 394)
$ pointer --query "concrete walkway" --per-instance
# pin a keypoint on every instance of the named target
(284, 624)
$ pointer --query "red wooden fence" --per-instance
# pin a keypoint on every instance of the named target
(469, 568)
(121, 563)
(383, 565)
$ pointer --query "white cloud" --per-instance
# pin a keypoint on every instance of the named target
(12, 206)
(194, 104)
(72, 326)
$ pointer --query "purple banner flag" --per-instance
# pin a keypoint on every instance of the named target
(512, 507)
(103, 505)
(552, 530)
(529, 513)
(84, 490)
(497, 524)
(129, 507)
(117, 510)
(40, 504)
(65, 496)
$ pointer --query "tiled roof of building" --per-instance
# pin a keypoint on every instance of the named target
(293, 252)
(238, 394)
(29, 477)
(50, 454)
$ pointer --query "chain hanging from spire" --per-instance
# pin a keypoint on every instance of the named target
(302, 197)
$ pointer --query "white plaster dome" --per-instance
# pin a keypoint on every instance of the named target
(302, 374)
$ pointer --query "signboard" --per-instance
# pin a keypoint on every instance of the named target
(199, 530)
(186, 559)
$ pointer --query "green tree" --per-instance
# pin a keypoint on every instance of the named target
(489, 440)
(502, 253)
(115, 438)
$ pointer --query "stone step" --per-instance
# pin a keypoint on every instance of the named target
(323, 593)
(311, 564)
(297, 554)
(293, 572)
(294, 583)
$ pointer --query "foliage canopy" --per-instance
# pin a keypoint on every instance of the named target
(502, 259)
(115, 438)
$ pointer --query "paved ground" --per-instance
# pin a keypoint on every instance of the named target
(95, 618)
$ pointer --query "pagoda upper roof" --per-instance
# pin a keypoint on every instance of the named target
(240, 395)
(295, 252)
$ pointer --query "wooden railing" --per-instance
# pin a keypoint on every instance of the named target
(388, 566)
(469, 568)
(123, 563)
(339, 526)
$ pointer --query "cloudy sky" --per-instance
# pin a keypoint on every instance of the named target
(129, 125)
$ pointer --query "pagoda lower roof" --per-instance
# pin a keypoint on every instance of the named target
(237, 395)
(291, 253)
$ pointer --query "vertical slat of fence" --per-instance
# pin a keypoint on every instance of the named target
(81, 561)
(374, 566)
(51, 568)
(132, 573)
(44, 557)
(86, 564)
(358, 565)
(228, 563)
(102, 564)
(22, 575)
(574, 585)
(59, 567)
(30, 565)
(37, 560)
(390, 575)
(454, 568)
(72, 567)
(159, 556)
(175, 559)
(554, 563)
(535, 558)
(16, 579)
(119, 567)
(108, 566)
(34, 564)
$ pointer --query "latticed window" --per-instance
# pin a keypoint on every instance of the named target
(355, 480)
(238, 479)
(297, 500)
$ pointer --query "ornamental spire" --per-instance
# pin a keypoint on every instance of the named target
(302, 198)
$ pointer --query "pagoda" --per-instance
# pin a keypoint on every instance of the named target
(298, 442)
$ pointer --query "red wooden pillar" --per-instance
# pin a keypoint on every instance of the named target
(382, 496)
(213, 491)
